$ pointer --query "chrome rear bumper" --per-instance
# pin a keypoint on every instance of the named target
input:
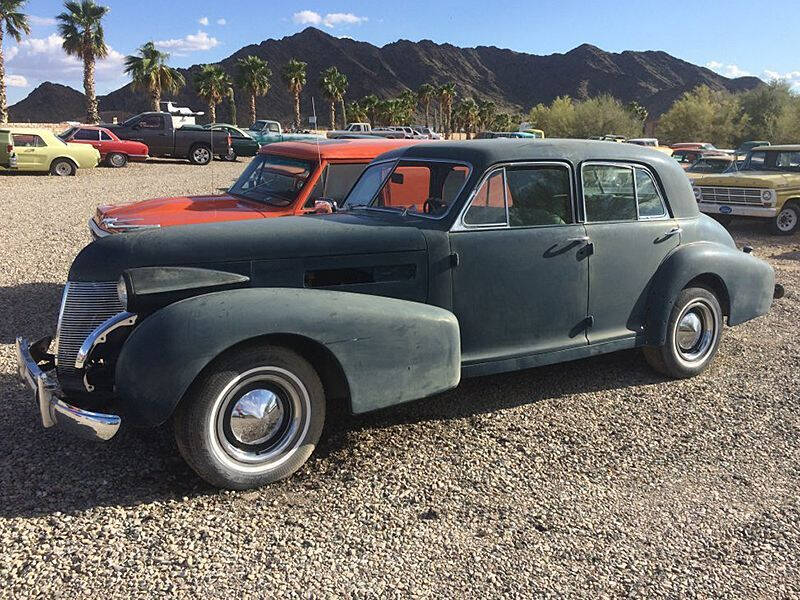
(53, 410)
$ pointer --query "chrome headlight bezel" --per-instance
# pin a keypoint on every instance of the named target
(122, 292)
(768, 196)
(698, 194)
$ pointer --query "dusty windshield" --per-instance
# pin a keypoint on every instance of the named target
(786, 161)
(274, 180)
(421, 187)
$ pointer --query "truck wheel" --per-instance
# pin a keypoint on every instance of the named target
(200, 154)
(117, 160)
(63, 167)
(694, 332)
(253, 417)
(788, 220)
(230, 157)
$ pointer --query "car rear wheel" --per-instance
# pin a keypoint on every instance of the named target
(788, 220)
(694, 332)
(63, 167)
(117, 160)
(252, 418)
(200, 154)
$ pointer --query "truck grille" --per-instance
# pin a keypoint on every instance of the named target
(84, 306)
(730, 195)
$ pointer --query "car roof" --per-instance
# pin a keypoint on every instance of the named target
(361, 148)
(32, 130)
(780, 148)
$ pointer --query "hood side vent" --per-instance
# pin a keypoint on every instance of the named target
(323, 278)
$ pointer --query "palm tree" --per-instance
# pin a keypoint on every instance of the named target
(487, 110)
(468, 115)
(15, 24)
(82, 30)
(356, 112)
(212, 84)
(446, 94)
(232, 106)
(149, 72)
(253, 75)
(425, 93)
(294, 75)
(502, 122)
(334, 84)
(370, 106)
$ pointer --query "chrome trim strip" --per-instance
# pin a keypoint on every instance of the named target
(96, 230)
(98, 336)
(60, 319)
(53, 411)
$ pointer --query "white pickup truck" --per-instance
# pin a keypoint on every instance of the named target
(356, 130)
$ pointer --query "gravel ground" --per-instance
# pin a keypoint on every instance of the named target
(596, 477)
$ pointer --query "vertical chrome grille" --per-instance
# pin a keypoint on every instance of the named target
(83, 307)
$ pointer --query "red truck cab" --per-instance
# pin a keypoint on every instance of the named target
(286, 178)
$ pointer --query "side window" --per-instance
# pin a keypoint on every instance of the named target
(609, 193)
(488, 205)
(650, 203)
(28, 140)
(538, 195)
(89, 135)
(152, 122)
(273, 128)
(105, 137)
(340, 180)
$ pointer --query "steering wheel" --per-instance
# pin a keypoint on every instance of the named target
(433, 205)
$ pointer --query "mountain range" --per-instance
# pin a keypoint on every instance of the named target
(515, 81)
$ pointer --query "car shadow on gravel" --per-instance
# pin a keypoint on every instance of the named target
(30, 310)
(47, 471)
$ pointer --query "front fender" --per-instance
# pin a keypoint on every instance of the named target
(749, 283)
(390, 350)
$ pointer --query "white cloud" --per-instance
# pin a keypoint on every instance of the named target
(16, 81)
(790, 77)
(331, 20)
(203, 21)
(43, 59)
(42, 21)
(190, 43)
(221, 22)
(727, 70)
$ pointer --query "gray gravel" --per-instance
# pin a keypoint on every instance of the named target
(593, 478)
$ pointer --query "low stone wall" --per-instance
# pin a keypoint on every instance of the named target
(54, 127)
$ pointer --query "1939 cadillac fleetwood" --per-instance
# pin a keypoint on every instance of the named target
(449, 260)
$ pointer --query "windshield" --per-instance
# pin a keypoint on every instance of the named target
(424, 188)
(707, 165)
(258, 126)
(782, 161)
(65, 134)
(274, 180)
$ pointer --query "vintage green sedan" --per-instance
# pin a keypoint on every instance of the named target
(242, 143)
(448, 260)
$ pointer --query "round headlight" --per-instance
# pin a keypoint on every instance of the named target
(122, 292)
(766, 195)
(698, 195)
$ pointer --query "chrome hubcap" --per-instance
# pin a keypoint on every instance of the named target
(117, 160)
(201, 155)
(696, 332)
(787, 219)
(63, 168)
(260, 418)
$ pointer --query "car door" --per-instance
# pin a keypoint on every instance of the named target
(151, 130)
(31, 152)
(521, 282)
(87, 136)
(631, 232)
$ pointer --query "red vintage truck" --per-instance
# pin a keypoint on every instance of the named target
(286, 178)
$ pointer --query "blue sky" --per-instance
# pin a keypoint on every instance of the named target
(733, 37)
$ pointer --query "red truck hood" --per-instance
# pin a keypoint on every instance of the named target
(184, 210)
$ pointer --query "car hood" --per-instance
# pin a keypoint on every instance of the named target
(184, 210)
(241, 245)
(751, 179)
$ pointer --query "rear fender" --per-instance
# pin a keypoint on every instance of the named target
(748, 281)
(390, 351)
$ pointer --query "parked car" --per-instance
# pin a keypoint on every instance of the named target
(686, 157)
(709, 164)
(449, 260)
(745, 147)
(242, 143)
(651, 142)
(354, 130)
(40, 150)
(271, 132)
(427, 132)
(114, 152)
(766, 186)
(693, 146)
(156, 130)
(288, 178)
(489, 135)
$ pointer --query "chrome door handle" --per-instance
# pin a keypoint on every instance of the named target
(584, 239)
(674, 231)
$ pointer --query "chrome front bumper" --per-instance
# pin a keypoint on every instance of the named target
(740, 210)
(53, 410)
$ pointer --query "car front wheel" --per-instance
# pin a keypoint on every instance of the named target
(788, 220)
(252, 418)
(63, 167)
(694, 332)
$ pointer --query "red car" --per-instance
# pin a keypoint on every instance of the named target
(114, 152)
